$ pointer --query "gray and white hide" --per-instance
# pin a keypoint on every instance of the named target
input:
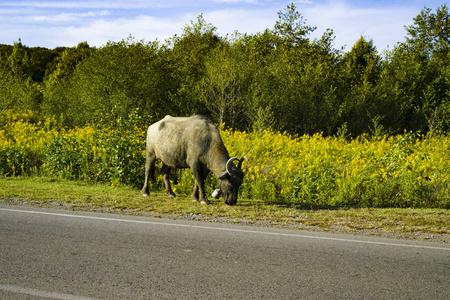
(192, 142)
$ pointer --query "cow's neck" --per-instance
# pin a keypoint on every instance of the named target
(219, 165)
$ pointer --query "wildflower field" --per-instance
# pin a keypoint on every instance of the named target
(407, 170)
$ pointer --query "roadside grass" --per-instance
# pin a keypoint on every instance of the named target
(432, 224)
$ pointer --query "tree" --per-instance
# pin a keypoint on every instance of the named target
(18, 61)
(430, 36)
(17, 90)
(220, 87)
(253, 55)
(187, 61)
(291, 27)
(57, 84)
(362, 63)
(118, 79)
(430, 32)
(18, 93)
(415, 75)
(360, 71)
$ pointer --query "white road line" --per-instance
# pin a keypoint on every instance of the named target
(227, 229)
(39, 293)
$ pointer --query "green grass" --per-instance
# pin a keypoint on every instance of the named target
(433, 224)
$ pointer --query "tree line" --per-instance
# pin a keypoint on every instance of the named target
(279, 78)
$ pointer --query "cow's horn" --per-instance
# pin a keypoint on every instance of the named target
(240, 162)
(230, 164)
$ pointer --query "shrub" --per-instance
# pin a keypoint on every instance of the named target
(407, 170)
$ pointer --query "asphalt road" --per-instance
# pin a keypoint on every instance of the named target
(58, 254)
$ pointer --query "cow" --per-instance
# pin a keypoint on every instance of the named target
(192, 142)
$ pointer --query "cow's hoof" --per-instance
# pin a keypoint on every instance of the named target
(195, 200)
(204, 202)
(145, 195)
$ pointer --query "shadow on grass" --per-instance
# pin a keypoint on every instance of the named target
(287, 205)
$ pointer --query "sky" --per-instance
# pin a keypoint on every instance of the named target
(54, 23)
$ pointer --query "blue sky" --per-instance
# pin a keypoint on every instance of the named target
(52, 23)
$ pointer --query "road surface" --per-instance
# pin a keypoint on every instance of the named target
(59, 254)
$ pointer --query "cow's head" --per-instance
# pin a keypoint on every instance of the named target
(231, 180)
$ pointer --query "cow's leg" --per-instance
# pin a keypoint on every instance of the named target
(166, 171)
(149, 171)
(200, 173)
(195, 193)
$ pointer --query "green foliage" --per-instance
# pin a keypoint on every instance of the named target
(186, 58)
(414, 78)
(101, 158)
(116, 80)
(57, 94)
(407, 170)
(16, 161)
(429, 34)
(291, 28)
(221, 89)
(17, 89)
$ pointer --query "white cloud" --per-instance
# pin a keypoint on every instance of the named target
(102, 4)
(67, 17)
(66, 23)
(237, 1)
(384, 25)
(98, 33)
(83, 4)
(244, 21)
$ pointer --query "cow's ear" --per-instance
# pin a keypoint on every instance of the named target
(225, 175)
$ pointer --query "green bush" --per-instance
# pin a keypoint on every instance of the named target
(399, 171)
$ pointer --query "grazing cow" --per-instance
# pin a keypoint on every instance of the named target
(195, 143)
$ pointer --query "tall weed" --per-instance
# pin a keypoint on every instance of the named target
(407, 170)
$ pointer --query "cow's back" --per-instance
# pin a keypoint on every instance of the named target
(177, 141)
